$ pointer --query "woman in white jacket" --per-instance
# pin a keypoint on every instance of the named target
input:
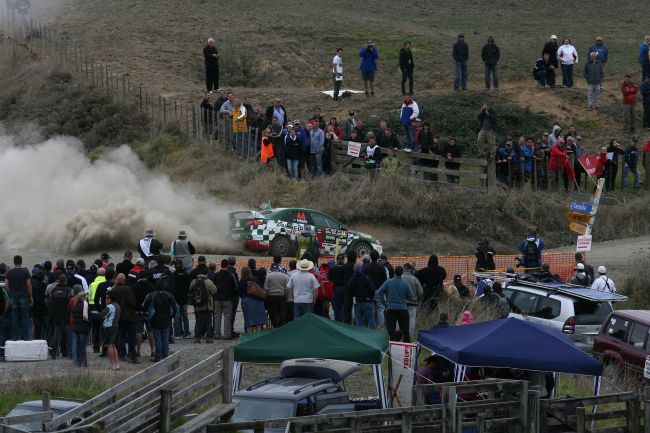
(568, 57)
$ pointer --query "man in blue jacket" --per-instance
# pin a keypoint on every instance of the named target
(600, 49)
(368, 54)
(393, 294)
(644, 60)
(460, 53)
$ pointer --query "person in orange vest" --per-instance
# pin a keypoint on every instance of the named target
(266, 151)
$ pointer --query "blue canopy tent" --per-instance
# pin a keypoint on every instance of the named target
(510, 343)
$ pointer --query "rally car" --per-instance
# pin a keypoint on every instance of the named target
(276, 230)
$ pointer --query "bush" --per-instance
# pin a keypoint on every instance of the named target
(637, 283)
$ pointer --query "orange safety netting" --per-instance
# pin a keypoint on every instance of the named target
(561, 264)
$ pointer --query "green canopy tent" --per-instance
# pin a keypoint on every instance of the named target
(312, 336)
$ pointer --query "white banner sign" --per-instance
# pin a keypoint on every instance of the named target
(354, 149)
(584, 243)
(402, 364)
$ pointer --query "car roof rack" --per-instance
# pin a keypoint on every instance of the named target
(573, 290)
(312, 385)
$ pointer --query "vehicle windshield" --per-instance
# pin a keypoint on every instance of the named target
(591, 313)
(253, 409)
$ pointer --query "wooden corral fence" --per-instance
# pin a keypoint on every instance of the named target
(152, 400)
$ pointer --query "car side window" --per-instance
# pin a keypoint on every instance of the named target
(525, 301)
(321, 221)
(547, 308)
(618, 328)
(638, 335)
(289, 217)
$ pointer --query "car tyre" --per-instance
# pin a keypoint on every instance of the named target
(362, 248)
(280, 246)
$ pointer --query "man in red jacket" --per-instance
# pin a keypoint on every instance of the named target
(629, 91)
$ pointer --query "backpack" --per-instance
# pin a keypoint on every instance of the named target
(199, 293)
(530, 254)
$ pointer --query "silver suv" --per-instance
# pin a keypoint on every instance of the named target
(576, 311)
(304, 387)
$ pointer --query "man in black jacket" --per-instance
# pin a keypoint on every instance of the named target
(431, 279)
(550, 48)
(460, 53)
(211, 54)
(490, 55)
(226, 285)
(484, 256)
(406, 65)
(378, 274)
(348, 270)
(277, 109)
(164, 307)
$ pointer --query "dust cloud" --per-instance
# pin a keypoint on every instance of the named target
(55, 199)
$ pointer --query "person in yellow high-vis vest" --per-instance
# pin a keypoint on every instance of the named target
(96, 323)
(239, 127)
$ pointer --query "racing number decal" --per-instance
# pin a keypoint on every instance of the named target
(301, 218)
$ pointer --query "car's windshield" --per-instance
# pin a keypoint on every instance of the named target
(591, 313)
(252, 409)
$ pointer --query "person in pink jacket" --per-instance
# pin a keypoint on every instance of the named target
(568, 57)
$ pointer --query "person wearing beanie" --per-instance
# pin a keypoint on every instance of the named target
(603, 282)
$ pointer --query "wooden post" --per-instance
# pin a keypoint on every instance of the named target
(93, 74)
(164, 110)
(632, 416)
(46, 408)
(355, 425)
(226, 372)
(124, 93)
(580, 420)
(407, 422)
(646, 408)
(141, 98)
(451, 404)
(523, 406)
(165, 410)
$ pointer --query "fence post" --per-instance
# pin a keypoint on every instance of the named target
(140, 97)
(407, 422)
(46, 408)
(632, 416)
(451, 405)
(194, 122)
(646, 409)
(226, 374)
(580, 420)
(165, 410)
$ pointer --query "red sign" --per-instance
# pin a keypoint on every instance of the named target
(592, 164)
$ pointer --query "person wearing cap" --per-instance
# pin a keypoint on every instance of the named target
(304, 286)
(550, 48)
(124, 267)
(600, 49)
(490, 55)
(463, 291)
(603, 282)
(460, 54)
(183, 250)
(593, 73)
(408, 113)
(580, 277)
(451, 152)
(337, 72)
(393, 294)
(211, 56)
(106, 260)
(368, 67)
(277, 110)
(406, 65)
(149, 247)
(416, 288)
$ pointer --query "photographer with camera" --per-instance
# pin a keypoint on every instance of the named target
(368, 54)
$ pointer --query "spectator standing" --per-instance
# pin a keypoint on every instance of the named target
(164, 307)
(486, 140)
(60, 297)
(431, 279)
(201, 295)
(18, 284)
(644, 58)
(149, 247)
(601, 50)
(368, 54)
(362, 293)
(645, 94)
(593, 74)
(603, 282)
(416, 288)
(276, 302)
(406, 65)
(568, 57)
(110, 317)
(318, 118)
(589, 270)
(207, 115)
(484, 256)
(393, 294)
(541, 71)
(531, 250)
(183, 250)
(378, 275)
(239, 127)
(304, 286)
(630, 164)
(277, 110)
(226, 285)
(125, 297)
(337, 72)
(452, 152)
(125, 266)
(349, 125)
(337, 277)
(181, 281)
(580, 277)
(611, 165)
(551, 48)
(221, 98)
(211, 55)
(408, 113)
(460, 54)
(317, 143)
(629, 91)
(80, 328)
(490, 55)
(292, 153)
